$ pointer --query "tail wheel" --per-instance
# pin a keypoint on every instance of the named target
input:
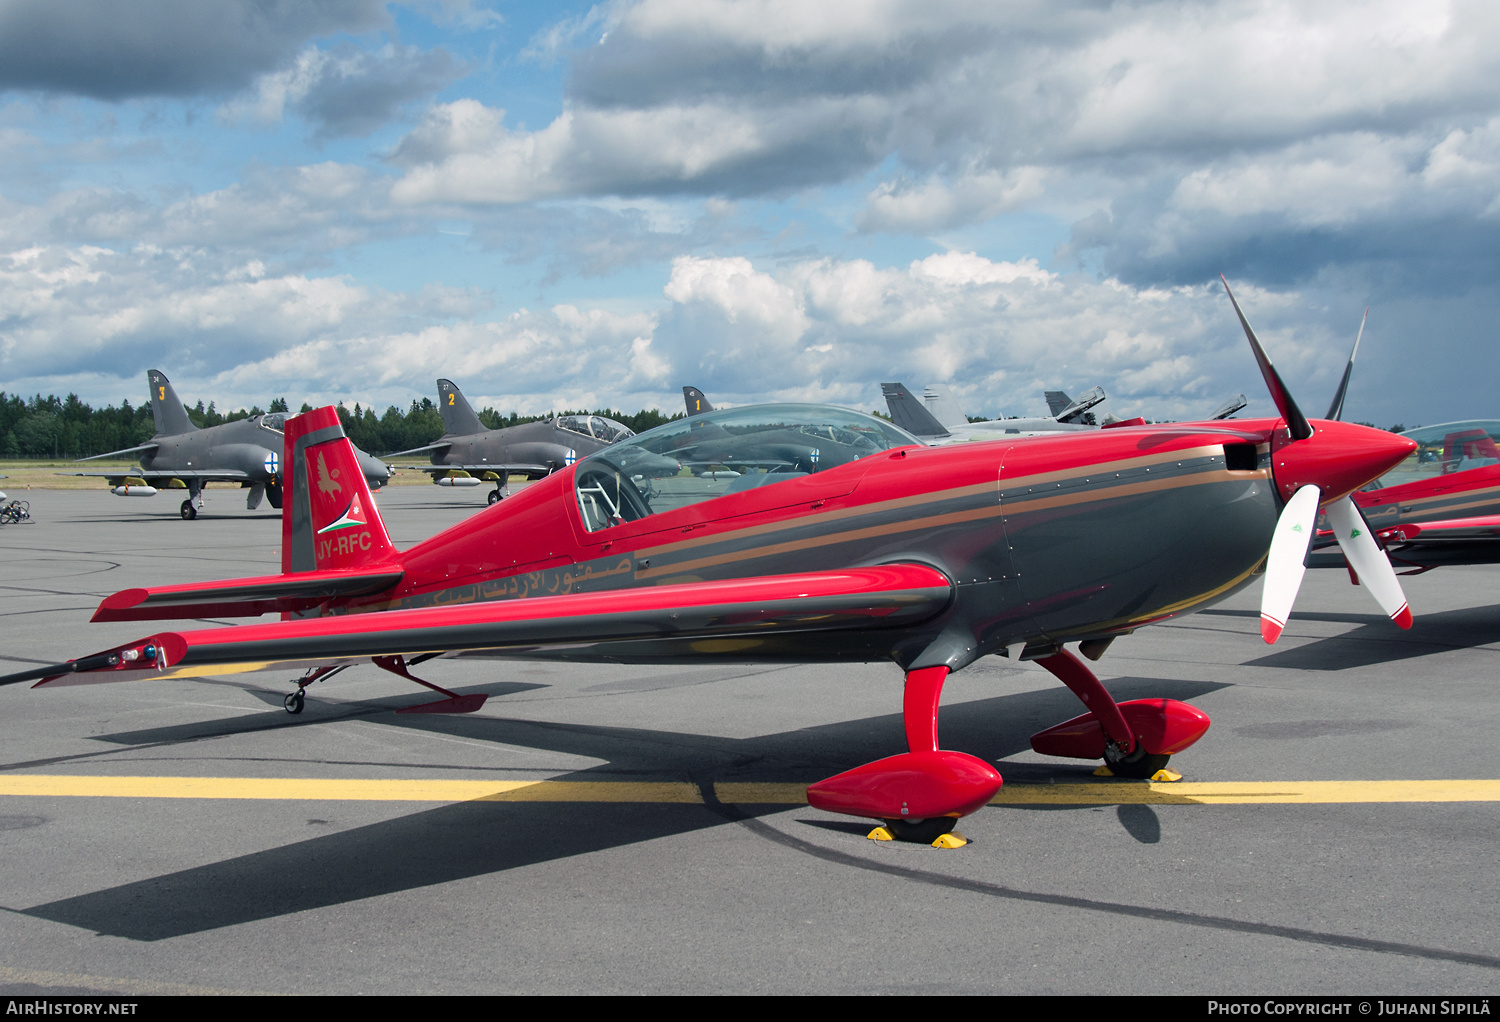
(293, 702)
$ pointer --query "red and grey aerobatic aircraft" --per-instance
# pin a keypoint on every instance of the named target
(840, 538)
(1439, 506)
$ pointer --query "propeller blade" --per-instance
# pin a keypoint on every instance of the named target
(1368, 561)
(1296, 422)
(1336, 410)
(1284, 564)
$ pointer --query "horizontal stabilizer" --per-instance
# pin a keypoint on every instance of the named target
(243, 597)
(853, 599)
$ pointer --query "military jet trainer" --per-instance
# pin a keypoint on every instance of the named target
(468, 454)
(938, 419)
(183, 457)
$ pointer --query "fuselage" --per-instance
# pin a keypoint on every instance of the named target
(245, 445)
(1047, 539)
(546, 445)
(252, 446)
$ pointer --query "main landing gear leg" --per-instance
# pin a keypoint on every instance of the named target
(921, 794)
(195, 495)
(455, 703)
(1135, 739)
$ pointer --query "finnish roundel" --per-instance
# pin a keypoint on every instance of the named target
(571, 457)
(273, 463)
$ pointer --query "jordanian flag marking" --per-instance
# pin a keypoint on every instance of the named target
(353, 515)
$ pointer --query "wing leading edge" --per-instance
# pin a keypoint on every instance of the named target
(855, 599)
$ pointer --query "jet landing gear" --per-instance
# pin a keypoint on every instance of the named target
(495, 496)
(189, 510)
(921, 794)
(1135, 738)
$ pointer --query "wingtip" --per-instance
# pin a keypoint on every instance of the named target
(1270, 628)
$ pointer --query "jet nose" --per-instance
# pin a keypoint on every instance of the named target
(1338, 458)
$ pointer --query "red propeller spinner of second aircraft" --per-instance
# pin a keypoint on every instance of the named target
(1319, 464)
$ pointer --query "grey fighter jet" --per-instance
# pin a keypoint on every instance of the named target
(468, 454)
(183, 457)
(937, 419)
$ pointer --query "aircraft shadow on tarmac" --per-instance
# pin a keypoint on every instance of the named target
(469, 839)
(1377, 642)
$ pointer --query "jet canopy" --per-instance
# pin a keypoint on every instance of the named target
(722, 452)
(275, 422)
(596, 426)
(1444, 449)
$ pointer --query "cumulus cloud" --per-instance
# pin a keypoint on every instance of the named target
(115, 49)
(1329, 128)
(999, 332)
(89, 309)
(348, 91)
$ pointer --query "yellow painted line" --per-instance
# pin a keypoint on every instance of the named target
(746, 793)
(1247, 792)
(301, 788)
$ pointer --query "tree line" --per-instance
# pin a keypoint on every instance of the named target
(58, 428)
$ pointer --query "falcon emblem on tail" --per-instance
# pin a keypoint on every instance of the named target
(327, 481)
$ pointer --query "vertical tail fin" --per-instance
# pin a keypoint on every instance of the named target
(909, 413)
(940, 402)
(166, 406)
(1057, 400)
(329, 520)
(696, 403)
(458, 417)
(1077, 411)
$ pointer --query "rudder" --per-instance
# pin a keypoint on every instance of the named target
(458, 417)
(166, 407)
(330, 521)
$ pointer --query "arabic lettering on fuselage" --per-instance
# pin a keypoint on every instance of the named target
(590, 576)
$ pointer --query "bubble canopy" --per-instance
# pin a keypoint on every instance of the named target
(721, 452)
(1444, 450)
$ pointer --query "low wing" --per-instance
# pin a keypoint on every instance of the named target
(1481, 527)
(129, 450)
(214, 475)
(441, 445)
(854, 599)
(243, 597)
(514, 468)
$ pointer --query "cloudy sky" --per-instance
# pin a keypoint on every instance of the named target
(562, 205)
